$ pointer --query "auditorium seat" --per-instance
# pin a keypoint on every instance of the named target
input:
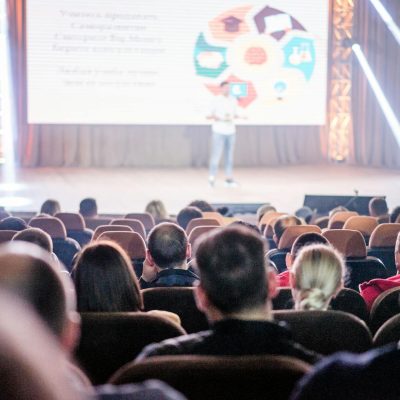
(94, 222)
(4, 214)
(64, 247)
(76, 228)
(136, 225)
(110, 340)
(327, 332)
(219, 378)
(197, 232)
(322, 222)
(145, 218)
(382, 243)
(363, 224)
(214, 215)
(179, 300)
(290, 234)
(268, 233)
(110, 228)
(339, 218)
(194, 223)
(360, 267)
(6, 236)
(388, 333)
(385, 306)
(266, 218)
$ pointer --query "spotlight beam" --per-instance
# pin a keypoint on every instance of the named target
(380, 96)
(387, 18)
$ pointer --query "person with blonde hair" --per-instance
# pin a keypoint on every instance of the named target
(317, 276)
(157, 209)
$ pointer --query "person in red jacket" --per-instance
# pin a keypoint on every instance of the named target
(372, 289)
(305, 239)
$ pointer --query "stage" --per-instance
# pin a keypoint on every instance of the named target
(123, 190)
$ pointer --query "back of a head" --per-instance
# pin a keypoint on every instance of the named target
(282, 223)
(247, 225)
(104, 279)
(31, 362)
(336, 210)
(232, 270)
(30, 273)
(167, 244)
(378, 207)
(157, 209)
(307, 239)
(263, 210)
(305, 213)
(318, 275)
(36, 236)
(202, 205)
(88, 207)
(12, 224)
(186, 215)
(50, 207)
(395, 213)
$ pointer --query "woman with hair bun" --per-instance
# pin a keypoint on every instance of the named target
(317, 276)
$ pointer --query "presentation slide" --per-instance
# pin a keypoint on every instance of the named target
(158, 62)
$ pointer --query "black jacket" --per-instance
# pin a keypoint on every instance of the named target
(171, 277)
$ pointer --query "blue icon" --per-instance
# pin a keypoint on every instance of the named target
(238, 89)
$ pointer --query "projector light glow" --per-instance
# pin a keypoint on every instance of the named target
(387, 18)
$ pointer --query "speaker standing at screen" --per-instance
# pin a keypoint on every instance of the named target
(223, 115)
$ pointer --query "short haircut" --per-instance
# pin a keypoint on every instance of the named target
(36, 236)
(247, 225)
(283, 222)
(88, 207)
(31, 273)
(50, 207)
(263, 210)
(157, 209)
(223, 83)
(307, 239)
(231, 265)
(378, 206)
(395, 213)
(13, 224)
(186, 215)
(167, 244)
(105, 280)
(202, 205)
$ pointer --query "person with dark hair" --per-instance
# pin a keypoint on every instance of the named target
(282, 223)
(166, 265)
(264, 209)
(88, 207)
(50, 207)
(12, 224)
(305, 213)
(234, 292)
(395, 214)
(36, 236)
(247, 225)
(303, 240)
(186, 215)
(202, 205)
(223, 114)
(378, 208)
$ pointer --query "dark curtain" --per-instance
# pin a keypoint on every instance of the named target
(374, 142)
(145, 146)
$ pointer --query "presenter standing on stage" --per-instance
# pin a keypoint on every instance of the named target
(223, 115)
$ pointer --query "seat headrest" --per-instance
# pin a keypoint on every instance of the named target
(291, 233)
(108, 228)
(266, 218)
(214, 215)
(72, 221)
(361, 223)
(131, 242)
(53, 226)
(348, 242)
(269, 228)
(384, 235)
(339, 218)
(201, 222)
(199, 231)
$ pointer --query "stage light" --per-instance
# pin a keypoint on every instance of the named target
(380, 96)
(387, 18)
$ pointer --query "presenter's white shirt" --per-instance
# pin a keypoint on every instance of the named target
(224, 108)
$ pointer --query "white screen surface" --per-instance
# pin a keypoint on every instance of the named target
(161, 62)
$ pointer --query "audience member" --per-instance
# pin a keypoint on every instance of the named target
(12, 224)
(157, 209)
(36, 236)
(266, 208)
(372, 289)
(167, 255)
(186, 215)
(317, 276)
(247, 225)
(50, 207)
(305, 213)
(282, 223)
(378, 208)
(336, 210)
(394, 215)
(235, 294)
(202, 205)
(88, 208)
(303, 240)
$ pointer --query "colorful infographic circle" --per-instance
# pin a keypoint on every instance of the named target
(265, 54)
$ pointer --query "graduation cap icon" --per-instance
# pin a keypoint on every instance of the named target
(231, 24)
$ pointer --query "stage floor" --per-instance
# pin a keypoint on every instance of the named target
(122, 190)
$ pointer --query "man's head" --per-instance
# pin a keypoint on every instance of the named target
(202, 205)
(32, 274)
(378, 207)
(234, 281)
(224, 87)
(50, 207)
(36, 236)
(282, 223)
(264, 209)
(12, 224)
(186, 215)
(394, 215)
(88, 207)
(306, 239)
(168, 246)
